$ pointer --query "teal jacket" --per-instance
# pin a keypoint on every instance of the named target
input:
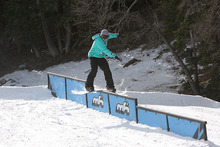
(99, 47)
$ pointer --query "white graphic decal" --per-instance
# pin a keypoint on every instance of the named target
(123, 108)
(98, 101)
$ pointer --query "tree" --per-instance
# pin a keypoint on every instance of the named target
(52, 48)
(180, 61)
(191, 25)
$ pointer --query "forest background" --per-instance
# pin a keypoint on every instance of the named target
(36, 34)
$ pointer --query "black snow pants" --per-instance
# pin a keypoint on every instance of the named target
(103, 64)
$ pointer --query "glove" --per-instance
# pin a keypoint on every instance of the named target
(118, 58)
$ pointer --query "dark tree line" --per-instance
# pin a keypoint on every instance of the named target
(62, 26)
(57, 28)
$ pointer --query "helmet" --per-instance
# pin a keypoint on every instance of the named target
(105, 34)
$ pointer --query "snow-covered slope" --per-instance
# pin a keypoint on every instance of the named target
(146, 75)
(31, 116)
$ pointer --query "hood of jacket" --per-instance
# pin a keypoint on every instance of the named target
(96, 36)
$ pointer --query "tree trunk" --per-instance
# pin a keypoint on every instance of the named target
(51, 46)
(195, 62)
(60, 12)
(68, 36)
(59, 40)
(36, 51)
(2, 56)
(2, 22)
(18, 44)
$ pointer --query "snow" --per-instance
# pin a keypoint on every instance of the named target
(31, 116)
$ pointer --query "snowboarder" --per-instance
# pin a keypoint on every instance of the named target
(97, 55)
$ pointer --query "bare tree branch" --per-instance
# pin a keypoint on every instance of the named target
(125, 15)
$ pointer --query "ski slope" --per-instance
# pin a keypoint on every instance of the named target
(31, 116)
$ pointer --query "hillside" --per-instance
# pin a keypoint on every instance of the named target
(31, 116)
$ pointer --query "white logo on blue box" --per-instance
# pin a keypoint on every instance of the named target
(98, 101)
(123, 108)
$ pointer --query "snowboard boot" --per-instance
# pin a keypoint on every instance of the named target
(111, 89)
(90, 89)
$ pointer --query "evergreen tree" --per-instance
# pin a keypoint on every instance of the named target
(189, 24)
